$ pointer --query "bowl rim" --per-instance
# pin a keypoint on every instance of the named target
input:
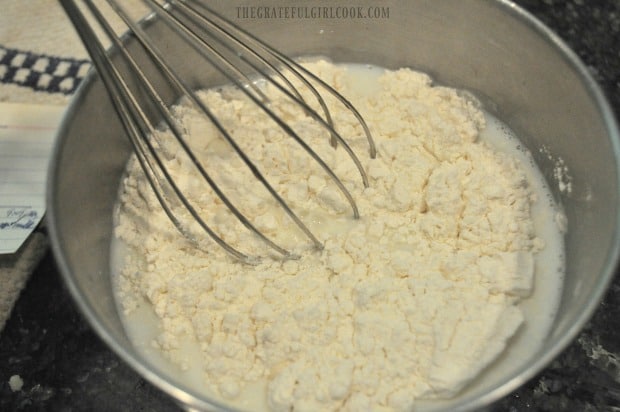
(191, 398)
(612, 262)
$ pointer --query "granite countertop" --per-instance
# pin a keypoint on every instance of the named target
(66, 367)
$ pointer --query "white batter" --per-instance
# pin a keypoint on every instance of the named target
(538, 310)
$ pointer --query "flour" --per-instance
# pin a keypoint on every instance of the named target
(561, 174)
(16, 383)
(410, 302)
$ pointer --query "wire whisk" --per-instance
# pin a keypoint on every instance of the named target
(236, 56)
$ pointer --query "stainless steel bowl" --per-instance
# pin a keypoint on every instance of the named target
(520, 70)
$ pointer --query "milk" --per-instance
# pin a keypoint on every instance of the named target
(539, 309)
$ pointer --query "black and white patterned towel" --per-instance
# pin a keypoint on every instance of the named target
(40, 72)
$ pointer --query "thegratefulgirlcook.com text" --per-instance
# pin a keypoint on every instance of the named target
(313, 12)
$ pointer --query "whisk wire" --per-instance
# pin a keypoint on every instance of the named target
(132, 116)
(295, 68)
(222, 26)
(198, 42)
(177, 81)
(180, 85)
(327, 123)
(141, 131)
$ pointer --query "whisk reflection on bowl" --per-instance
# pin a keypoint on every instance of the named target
(239, 57)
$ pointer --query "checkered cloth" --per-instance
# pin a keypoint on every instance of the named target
(41, 72)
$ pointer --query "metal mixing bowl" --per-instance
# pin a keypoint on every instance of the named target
(521, 72)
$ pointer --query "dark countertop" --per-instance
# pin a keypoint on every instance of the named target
(65, 366)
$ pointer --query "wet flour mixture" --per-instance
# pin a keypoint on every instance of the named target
(412, 301)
